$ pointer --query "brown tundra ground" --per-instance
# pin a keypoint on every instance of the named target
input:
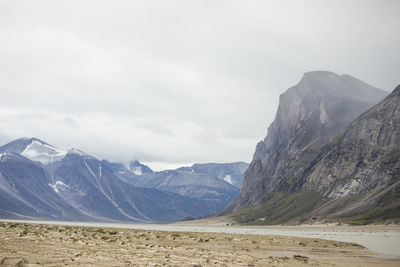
(23, 244)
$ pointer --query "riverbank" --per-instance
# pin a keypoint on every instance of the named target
(53, 245)
(379, 238)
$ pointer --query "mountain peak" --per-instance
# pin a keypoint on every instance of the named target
(138, 168)
(40, 151)
(34, 149)
(20, 144)
(318, 83)
(38, 140)
(29, 140)
(78, 152)
(319, 73)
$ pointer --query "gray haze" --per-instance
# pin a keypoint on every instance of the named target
(176, 82)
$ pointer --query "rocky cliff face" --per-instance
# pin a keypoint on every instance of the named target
(364, 161)
(317, 108)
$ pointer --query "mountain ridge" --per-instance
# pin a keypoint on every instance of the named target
(77, 186)
(212, 183)
(40, 181)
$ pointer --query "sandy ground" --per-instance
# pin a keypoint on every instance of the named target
(25, 244)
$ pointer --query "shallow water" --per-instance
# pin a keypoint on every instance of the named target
(381, 241)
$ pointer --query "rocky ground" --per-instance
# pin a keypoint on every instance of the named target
(23, 244)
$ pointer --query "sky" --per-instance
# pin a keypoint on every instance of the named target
(171, 83)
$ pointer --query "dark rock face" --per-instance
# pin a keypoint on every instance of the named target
(309, 115)
(363, 159)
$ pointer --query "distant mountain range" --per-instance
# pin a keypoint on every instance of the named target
(331, 153)
(39, 181)
(215, 184)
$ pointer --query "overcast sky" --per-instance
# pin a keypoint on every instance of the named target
(175, 82)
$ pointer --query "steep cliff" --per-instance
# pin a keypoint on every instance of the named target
(308, 116)
(358, 172)
(317, 108)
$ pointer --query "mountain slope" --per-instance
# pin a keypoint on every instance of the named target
(212, 191)
(107, 196)
(215, 185)
(309, 114)
(363, 160)
(128, 173)
(76, 186)
(25, 192)
(229, 172)
(138, 168)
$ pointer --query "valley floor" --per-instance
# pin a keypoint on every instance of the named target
(27, 244)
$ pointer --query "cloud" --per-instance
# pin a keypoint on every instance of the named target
(180, 81)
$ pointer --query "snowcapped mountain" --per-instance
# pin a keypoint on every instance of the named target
(42, 152)
(229, 172)
(138, 168)
(40, 181)
(130, 172)
(215, 185)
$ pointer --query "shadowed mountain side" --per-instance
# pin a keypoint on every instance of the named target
(214, 184)
(213, 192)
(76, 186)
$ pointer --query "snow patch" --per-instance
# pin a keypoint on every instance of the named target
(59, 186)
(323, 117)
(137, 170)
(43, 153)
(87, 166)
(79, 152)
(228, 179)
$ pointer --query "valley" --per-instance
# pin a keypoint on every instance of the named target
(28, 244)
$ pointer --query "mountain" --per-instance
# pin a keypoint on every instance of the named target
(25, 191)
(309, 115)
(40, 181)
(130, 172)
(138, 168)
(358, 172)
(212, 183)
(229, 172)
